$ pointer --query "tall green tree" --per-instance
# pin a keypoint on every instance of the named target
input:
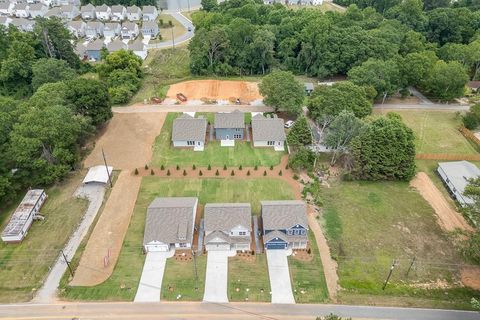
(282, 91)
(208, 5)
(50, 70)
(415, 67)
(16, 68)
(447, 80)
(300, 134)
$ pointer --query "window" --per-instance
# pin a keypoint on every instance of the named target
(242, 233)
(190, 143)
(304, 232)
(270, 143)
(183, 245)
(290, 232)
(237, 136)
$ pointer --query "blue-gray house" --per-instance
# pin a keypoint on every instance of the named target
(229, 126)
(285, 224)
(94, 49)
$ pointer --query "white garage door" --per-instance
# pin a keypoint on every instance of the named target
(156, 247)
(217, 246)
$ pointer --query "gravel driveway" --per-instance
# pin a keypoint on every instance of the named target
(279, 276)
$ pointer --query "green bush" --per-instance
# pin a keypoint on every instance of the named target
(265, 173)
(224, 167)
(152, 172)
(217, 173)
(146, 167)
(302, 159)
(200, 173)
(136, 171)
(194, 167)
(248, 172)
(178, 167)
(184, 173)
(209, 167)
(240, 167)
(232, 173)
(168, 172)
(255, 168)
(271, 167)
(470, 121)
(280, 173)
(162, 167)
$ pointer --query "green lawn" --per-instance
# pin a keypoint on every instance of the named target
(24, 266)
(436, 132)
(368, 224)
(248, 275)
(307, 276)
(242, 154)
(122, 285)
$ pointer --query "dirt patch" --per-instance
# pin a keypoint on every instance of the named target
(127, 140)
(303, 254)
(448, 218)
(470, 277)
(103, 247)
(216, 90)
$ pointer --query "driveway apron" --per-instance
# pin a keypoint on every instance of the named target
(217, 276)
(279, 276)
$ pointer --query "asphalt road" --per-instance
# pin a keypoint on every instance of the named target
(190, 108)
(197, 310)
(179, 40)
(420, 106)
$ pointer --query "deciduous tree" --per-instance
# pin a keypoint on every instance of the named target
(281, 90)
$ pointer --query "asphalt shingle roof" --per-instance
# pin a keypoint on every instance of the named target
(170, 220)
(87, 8)
(229, 120)
(96, 45)
(133, 9)
(117, 9)
(226, 216)
(187, 128)
(459, 172)
(283, 214)
(116, 45)
(267, 129)
(148, 9)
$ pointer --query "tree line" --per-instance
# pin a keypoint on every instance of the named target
(138, 3)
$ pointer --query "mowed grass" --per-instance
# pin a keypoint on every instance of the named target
(123, 283)
(369, 224)
(24, 266)
(308, 277)
(242, 154)
(166, 30)
(248, 275)
(437, 132)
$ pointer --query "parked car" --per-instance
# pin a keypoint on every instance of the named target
(289, 124)
(189, 29)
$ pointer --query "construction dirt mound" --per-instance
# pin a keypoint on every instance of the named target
(216, 90)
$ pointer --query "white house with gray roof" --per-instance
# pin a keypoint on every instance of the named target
(285, 224)
(37, 10)
(119, 13)
(139, 48)
(116, 45)
(170, 224)
(134, 13)
(111, 29)
(21, 10)
(150, 29)
(228, 226)
(455, 175)
(88, 12)
(189, 132)
(69, 12)
(268, 132)
(94, 29)
(6, 8)
(149, 13)
(229, 126)
(103, 12)
(23, 24)
(77, 28)
(129, 30)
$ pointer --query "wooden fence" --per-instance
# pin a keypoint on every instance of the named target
(447, 156)
(469, 135)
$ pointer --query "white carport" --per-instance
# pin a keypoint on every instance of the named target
(98, 174)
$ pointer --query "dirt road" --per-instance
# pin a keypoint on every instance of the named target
(448, 218)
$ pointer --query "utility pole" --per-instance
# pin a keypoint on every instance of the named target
(106, 168)
(394, 264)
(411, 265)
(67, 262)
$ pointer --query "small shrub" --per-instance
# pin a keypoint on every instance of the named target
(209, 167)
(255, 168)
(217, 173)
(264, 173)
(168, 172)
(178, 167)
(280, 173)
(470, 121)
(232, 173)
(184, 172)
(200, 173)
(271, 167)
(295, 176)
(309, 251)
(286, 167)
(194, 167)
(224, 167)
(146, 167)
(248, 172)
(240, 167)
(136, 171)
(162, 167)
(152, 172)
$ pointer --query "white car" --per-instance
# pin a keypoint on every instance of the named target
(289, 124)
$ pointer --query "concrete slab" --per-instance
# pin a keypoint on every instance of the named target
(152, 275)
(217, 276)
(279, 276)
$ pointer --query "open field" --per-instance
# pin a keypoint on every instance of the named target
(367, 228)
(242, 154)
(436, 132)
(166, 30)
(122, 285)
(24, 266)
(251, 275)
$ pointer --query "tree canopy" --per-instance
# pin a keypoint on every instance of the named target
(300, 134)
(282, 91)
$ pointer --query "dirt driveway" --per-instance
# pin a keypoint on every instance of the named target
(127, 140)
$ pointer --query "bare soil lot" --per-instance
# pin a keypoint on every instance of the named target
(216, 90)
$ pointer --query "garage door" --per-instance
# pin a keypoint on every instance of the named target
(218, 246)
(276, 246)
(156, 247)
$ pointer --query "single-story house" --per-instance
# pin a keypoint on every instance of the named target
(94, 48)
(69, 12)
(77, 28)
(229, 126)
(38, 10)
(119, 13)
(149, 13)
(129, 30)
(116, 45)
(21, 220)
(20, 10)
(98, 174)
(268, 132)
(139, 48)
(103, 12)
(134, 13)
(189, 132)
(23, 24)
(285, 224)
(308, 87)
(170, 224)
(6, 8)
(94, 29)
(227, 226)
(5, 21)
(474, 86)
(455, 176)
(111, 29)
(88, 12)
(150, 28)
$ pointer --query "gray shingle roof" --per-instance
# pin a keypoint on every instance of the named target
(4, 5)
(36, 7)
(229, 120)
(129, 26)
(226, 238)
(133, 9)
(149, 25)
(102, 8)
(170, 220)
(267, 129)
(283, 214)
(187, 128)
(148, 9)
(459, 172)
(226, 216)
(21, 6)
(96, 45)
(112, 25)
(285, 237)
(137, 45)
(116, 45)
(117, 9)
(87, 8)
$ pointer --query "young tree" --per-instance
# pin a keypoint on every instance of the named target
(120, 60)
(447, 80)
(384, 150)
(282, 91)
(50, 70)
(209, 5)
(343, 129)
(300, 134)
(302, 159)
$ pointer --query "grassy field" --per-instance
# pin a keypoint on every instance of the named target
(122, 285)
(166, 30)
(370, 224)
(242, 154)
(24, 266)
(436, 132)
(251, 275)
(307, 276)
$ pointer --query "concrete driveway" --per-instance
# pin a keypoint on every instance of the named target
(279, 276)
(217, 276)
(152, 275)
